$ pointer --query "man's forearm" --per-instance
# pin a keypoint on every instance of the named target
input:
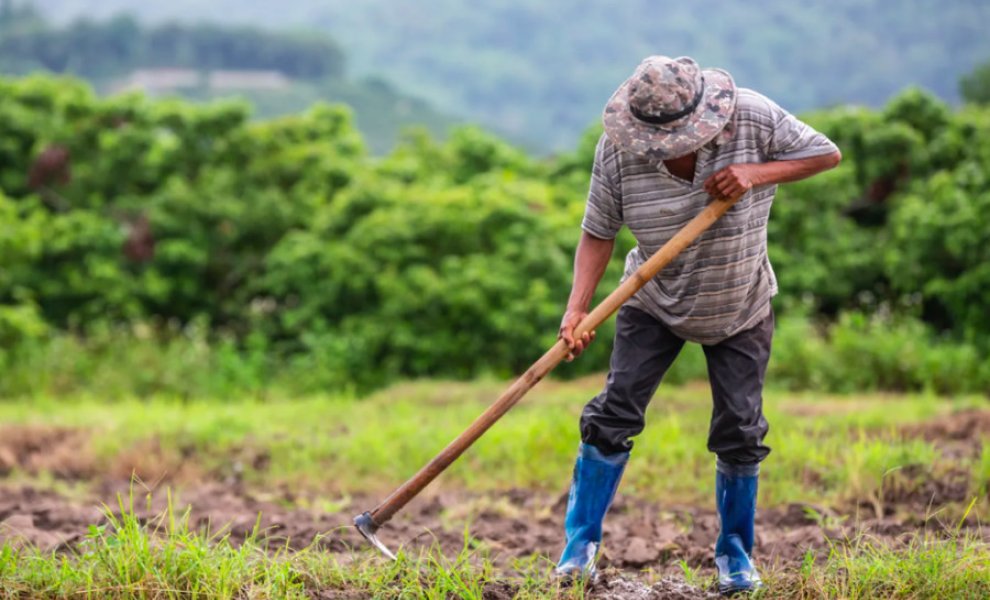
(783, 171)
(735, 180)
(590, 260)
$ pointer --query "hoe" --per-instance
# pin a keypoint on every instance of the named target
(368, 523)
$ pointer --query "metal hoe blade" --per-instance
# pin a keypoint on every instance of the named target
(368, 528)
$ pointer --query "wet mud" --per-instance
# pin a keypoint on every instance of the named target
(640, 536)
(646, 543)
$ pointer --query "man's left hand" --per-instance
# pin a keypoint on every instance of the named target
(732, 181)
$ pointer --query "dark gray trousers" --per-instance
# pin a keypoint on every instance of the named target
(644, 349)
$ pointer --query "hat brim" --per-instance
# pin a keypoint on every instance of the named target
(677, 138)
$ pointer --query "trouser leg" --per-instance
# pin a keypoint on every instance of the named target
(643, 351)
(736, 369)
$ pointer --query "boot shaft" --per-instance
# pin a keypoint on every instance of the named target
(595, 480)
(735, 498)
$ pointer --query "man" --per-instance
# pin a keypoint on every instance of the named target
(677, 136)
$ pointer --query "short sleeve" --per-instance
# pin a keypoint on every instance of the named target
(603, 212)
(792, 139)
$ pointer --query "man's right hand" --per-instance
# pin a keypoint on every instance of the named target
(572, 318)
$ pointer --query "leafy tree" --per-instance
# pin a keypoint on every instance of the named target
(941, 248)
(284, 240)
(975, 86)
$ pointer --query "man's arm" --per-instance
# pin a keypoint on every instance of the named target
(590, 261)
(738, 179)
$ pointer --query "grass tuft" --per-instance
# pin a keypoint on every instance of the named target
(163, 557)
(921, 568)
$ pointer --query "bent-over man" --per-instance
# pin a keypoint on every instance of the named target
(677, 136)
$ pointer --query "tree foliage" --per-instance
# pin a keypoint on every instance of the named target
(443, 258)
(975, 86)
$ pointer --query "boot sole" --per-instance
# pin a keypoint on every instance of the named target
(571, 578)
(736, 591)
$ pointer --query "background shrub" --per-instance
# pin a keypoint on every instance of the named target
(158, 246)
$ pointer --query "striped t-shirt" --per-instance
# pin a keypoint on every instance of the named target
(722, 283)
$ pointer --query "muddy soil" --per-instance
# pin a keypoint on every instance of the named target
(640, 535)
(61, 451)
(957, 435)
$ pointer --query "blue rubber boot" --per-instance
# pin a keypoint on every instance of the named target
(735, 497)
(596, 477)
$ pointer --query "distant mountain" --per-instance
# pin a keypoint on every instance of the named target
(540, 71)
(278, 72)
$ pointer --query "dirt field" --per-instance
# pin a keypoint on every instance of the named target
(639, 535)
(646, 542)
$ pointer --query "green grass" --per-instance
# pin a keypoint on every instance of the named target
(919, 566)
(163, 558)
(924, 567)
(825, 448)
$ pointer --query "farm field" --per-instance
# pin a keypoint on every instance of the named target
(863, 496)
(223, 336)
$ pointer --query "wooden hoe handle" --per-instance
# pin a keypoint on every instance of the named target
(546, 363)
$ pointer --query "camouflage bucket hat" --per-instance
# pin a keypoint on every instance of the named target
(669, 107)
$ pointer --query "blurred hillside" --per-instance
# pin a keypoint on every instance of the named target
(539, 72)
(277, 72)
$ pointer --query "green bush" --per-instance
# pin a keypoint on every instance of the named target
(857, 353)
(875, 352)
(940, 247)
(158, 246)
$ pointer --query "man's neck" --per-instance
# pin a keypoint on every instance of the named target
(682, 167)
